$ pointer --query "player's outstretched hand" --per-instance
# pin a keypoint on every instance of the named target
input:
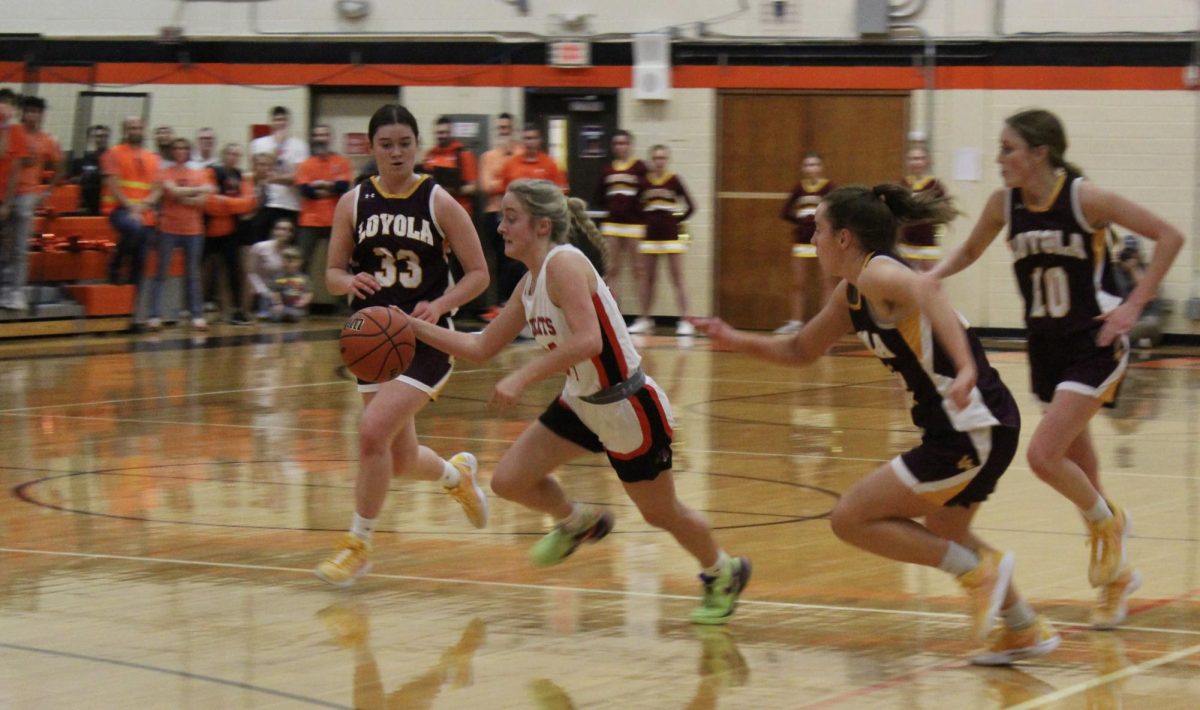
(718, 330)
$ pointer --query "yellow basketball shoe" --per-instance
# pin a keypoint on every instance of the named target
(1010, 645)
(1108, 540)
(348, 562)
(1113, 606)
(985, 587)
(468, 493)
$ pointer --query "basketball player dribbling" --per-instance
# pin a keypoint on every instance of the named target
(607, 404)
(388, 248)
(969, 421)
(1077, 329)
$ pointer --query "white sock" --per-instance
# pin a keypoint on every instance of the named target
(1099, 512)
(1018, 616)
(573, 519)
(718, 566)
(450, 475)
(958, 560)
(362, 527)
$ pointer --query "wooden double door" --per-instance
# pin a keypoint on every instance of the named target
(763, 139)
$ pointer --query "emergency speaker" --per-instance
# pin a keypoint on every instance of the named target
(652, 66)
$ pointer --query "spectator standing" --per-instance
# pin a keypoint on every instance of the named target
(205, 155)
(131, 189)
(452, 166)
(322, 179)
(185, 192)
(40, 171)
(13, 152)
(85, 170)
(233, 198)
(164, 138)
(282, 197)
(530, 164)
(491, 165)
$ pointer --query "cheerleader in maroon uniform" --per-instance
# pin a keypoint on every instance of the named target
(801, 210)
(618, 195)
(665, 205)
(919, 242)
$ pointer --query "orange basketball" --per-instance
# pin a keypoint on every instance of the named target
(378, 344)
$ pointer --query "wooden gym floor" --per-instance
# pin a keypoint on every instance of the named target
(167, 496)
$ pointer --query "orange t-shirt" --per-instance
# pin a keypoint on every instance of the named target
(45, 154)
(541, 167)
(136, 170)
(13, 146)
(318, 212)
(491, 166)
(177, 217)
(449, 157)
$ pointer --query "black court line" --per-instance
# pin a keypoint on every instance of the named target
(24, 493)
(182, 674)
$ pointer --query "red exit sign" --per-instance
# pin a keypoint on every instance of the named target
(570, 53)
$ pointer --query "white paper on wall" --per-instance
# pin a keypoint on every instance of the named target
(968, 164)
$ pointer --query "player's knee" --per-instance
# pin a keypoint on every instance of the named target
(372, 441)
(506, 485)
(844, 520)
(663, 518)
(1041, 459)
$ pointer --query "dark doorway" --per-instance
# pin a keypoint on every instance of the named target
(577, 125)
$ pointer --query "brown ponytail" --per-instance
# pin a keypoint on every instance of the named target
(1038, 127)
(873, 214)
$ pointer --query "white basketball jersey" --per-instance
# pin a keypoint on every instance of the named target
(617, 358)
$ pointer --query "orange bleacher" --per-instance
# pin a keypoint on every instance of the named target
(77, 249)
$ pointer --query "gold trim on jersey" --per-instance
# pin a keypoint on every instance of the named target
(1099, 242)
(911, 252)
(917, 184)
(397, 196)
(619, 167)
(1058, 186)
(804, 251)
(909, 329)
(625, 231)
(659, 183)
(672, 246)
(814, 185)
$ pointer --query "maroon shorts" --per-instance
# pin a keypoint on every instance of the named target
(958, 467)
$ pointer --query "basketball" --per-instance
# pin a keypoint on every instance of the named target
(377, 344)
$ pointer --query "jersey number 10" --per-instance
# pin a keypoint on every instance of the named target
(1051, 293)
(403, 267)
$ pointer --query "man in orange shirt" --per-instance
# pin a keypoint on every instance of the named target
(322, 178)
(131, 189)
(41, 171)
(532, 164)
(491, 163)
(13, 153)
(452, 165)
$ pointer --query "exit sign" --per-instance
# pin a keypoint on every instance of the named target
(570, 53)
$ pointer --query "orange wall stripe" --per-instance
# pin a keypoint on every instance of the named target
(685, 77)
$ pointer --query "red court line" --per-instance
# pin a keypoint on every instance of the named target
(959, 662)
